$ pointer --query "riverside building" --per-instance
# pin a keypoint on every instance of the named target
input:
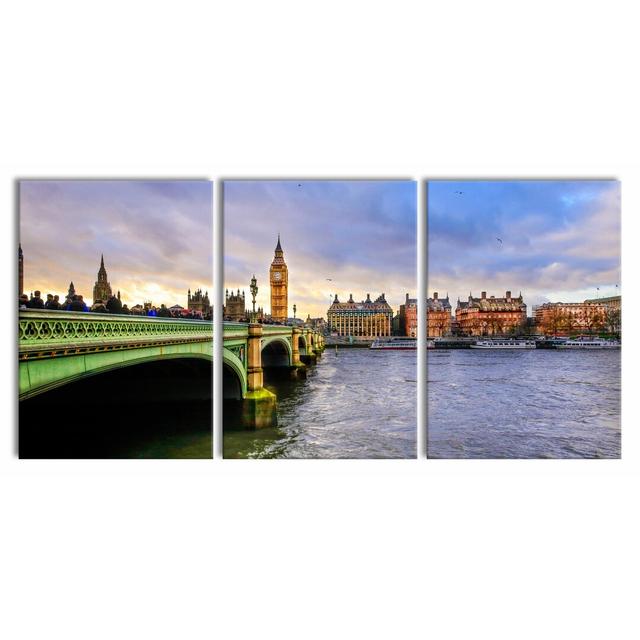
(199, 302)
(234, 306)
(438, 316)
(408, 317)
(365, 319)
(490, 316)
(598, 314)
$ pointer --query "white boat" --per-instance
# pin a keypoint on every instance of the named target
(402, 344)
(504, 344)
(588, 344)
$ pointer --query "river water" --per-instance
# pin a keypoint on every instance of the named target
(358, 404)
(523, 404)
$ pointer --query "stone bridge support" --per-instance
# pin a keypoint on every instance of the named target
(298, 368)
(311, 355)
(259, 404)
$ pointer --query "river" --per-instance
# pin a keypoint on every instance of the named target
(357, 404)
(523, 404)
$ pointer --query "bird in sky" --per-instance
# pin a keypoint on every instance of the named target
(499, 240)
(459, 193)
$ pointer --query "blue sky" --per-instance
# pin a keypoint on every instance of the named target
(339, 237)
(156, 237)
(552, 240)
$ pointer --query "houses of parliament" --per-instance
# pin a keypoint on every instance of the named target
(197, 301)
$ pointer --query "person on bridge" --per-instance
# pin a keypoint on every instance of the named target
(36, 302)
(114, 305)
(98, 307)
(23, 301)
(163, 312)
(76, 304)
(53, 303)
(152, 312)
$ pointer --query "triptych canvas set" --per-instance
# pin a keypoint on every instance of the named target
(318, 333)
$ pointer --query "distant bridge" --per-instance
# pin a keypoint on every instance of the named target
(248, 349)
(58, 347)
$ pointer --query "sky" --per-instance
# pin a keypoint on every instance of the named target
(156, 237)
(556, 241)
(345, 237)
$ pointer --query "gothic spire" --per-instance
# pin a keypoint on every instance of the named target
(278, 247)
(102, 272)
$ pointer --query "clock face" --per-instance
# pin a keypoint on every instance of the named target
(277, 275)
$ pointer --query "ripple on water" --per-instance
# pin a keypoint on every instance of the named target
(359, 405)
(528, 404)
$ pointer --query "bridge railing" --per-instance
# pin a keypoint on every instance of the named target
(45, 332)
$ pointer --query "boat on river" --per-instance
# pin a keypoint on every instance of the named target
(587, 344)
(504, 344)
(399, 344)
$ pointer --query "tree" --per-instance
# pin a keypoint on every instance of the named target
(612, 320)
(569, 322)
(553, 320)
(594, 320)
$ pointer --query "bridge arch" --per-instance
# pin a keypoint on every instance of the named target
(276, 352)
(38, 376)
(234, 376)
(302, 345)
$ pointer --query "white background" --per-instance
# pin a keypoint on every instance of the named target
(318, 549)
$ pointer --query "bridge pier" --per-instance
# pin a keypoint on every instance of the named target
(311, 356)
(298, 368)
(258, 352)
(259, 404)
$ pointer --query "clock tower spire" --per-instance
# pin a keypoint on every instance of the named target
(279, 280)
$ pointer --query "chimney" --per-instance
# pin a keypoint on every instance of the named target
(435, 295)
(483, 295)
(508, 295)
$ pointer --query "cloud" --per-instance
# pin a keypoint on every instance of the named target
(543, 237)
(156, 236)
(338, 237)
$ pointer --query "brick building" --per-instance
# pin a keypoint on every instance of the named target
(438, 316)
(485, 316)
(408, 318)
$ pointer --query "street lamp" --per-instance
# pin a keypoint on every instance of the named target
(254, 291)
(294, 311)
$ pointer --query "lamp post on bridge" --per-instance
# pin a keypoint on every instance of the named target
(294, 311)
(254, 291)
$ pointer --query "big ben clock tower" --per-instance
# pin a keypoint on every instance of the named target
(279, 279)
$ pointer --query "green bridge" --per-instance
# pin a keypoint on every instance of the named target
(59, 347)
(249, 349)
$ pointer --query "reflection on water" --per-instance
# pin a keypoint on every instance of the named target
(358, 404)
(523, 404)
